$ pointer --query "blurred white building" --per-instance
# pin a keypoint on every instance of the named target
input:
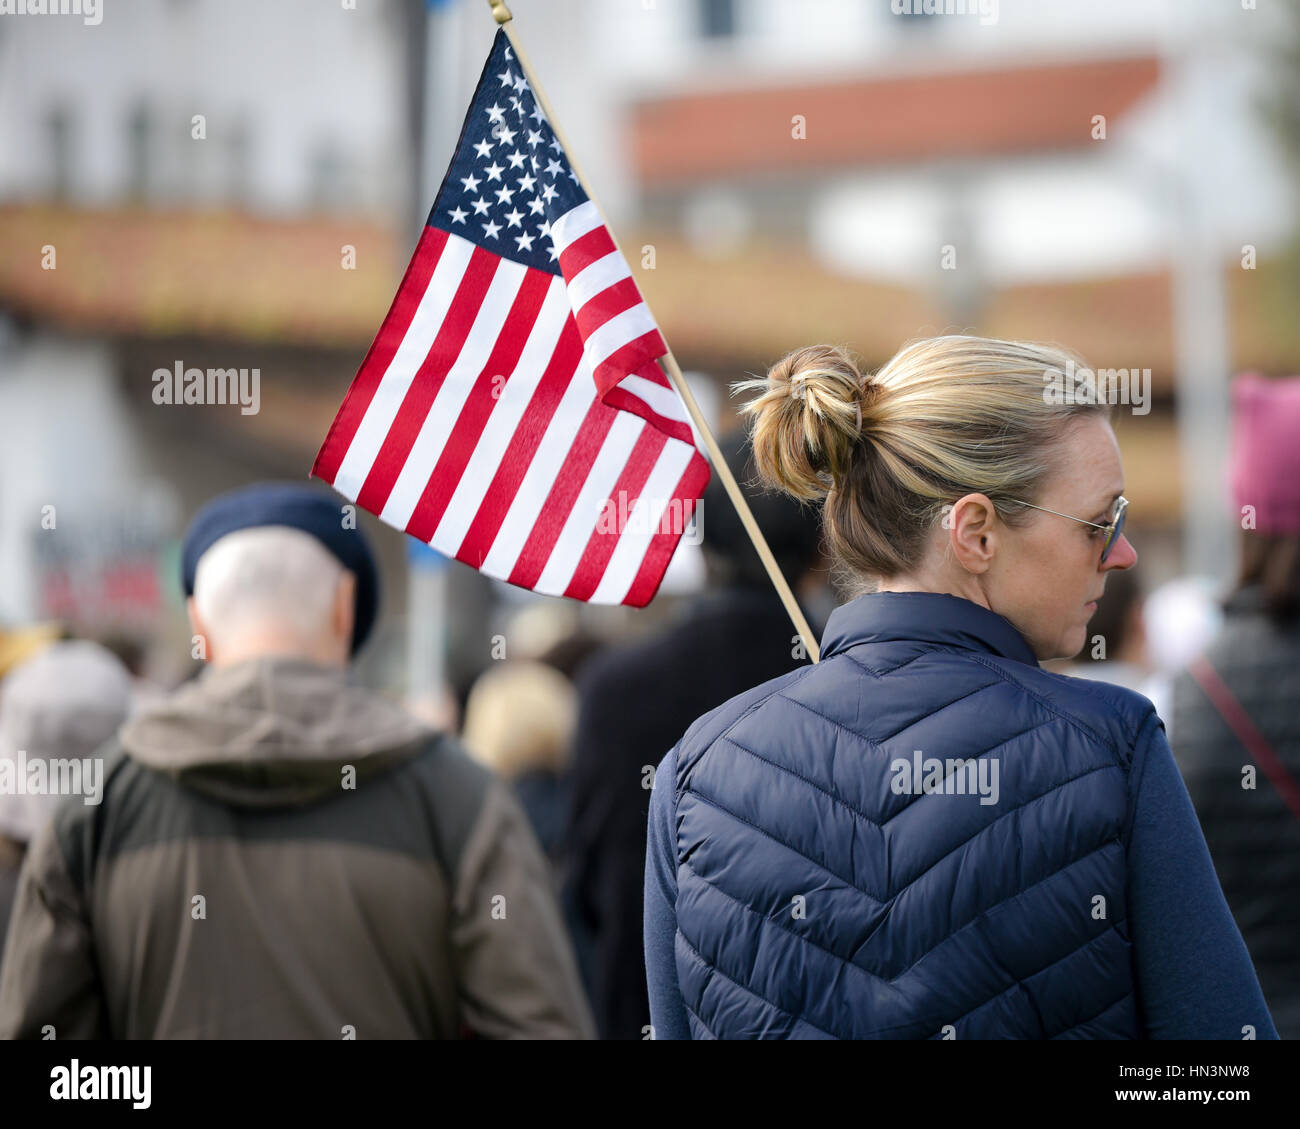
(176, 184)
(302, 106)
(961, 125)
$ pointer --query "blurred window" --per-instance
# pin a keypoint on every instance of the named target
(329, 174)
(140, 147)
(717, 18)
(240, 171)
(59, 127)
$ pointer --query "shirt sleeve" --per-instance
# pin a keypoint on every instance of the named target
(1194, 976)
(517, 973)
(667, 1009)
(50, 986)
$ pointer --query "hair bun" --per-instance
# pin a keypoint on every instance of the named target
(831, 374)
(809, 419)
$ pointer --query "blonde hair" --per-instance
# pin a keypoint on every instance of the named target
(945, 417)
(521, 715)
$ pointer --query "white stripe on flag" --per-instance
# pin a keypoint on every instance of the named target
(598, 277)
(598, 487)
(509, 409)
(455, 389)
(617, 332)
(542, 473)
(665, 401)
(574, 224)
(643, 523)
(410, 354)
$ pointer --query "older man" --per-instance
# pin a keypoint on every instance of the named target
(279, 854)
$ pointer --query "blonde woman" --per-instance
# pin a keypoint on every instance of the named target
(519, 721)
(926, 835)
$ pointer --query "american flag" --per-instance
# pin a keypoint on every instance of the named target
(510, 412)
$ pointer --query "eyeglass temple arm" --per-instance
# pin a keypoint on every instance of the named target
(1059, 514)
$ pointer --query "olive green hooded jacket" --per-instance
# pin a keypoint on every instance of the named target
(279, 854)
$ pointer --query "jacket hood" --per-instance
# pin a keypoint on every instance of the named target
(272, 732)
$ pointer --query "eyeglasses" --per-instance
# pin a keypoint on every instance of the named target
(1114, 528)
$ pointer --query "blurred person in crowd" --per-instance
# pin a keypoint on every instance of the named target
(519, 723)
(18, 644)
(278, 853)
(569, 653)
(133, 653)
(1115, 649)
(1236, 724)
(56, 709)
(636, 700)
(927, 835)
(1179, 618)
(552, 631)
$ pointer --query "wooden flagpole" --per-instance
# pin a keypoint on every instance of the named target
(669, 363)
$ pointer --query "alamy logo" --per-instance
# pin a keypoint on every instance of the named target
(52, 776)
(90, 11)
(675, 516)
(987, 10)
(100, 1083)
(181, 385)
(1079, 385)
(956, 776)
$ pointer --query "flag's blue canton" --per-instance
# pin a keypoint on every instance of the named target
(509, 179)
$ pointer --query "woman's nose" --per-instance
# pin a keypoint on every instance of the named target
(1122, 555)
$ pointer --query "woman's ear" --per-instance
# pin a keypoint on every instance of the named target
(973, 525)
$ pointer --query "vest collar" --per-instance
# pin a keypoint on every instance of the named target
(928, 617)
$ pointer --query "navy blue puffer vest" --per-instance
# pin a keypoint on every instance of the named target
(922, 836)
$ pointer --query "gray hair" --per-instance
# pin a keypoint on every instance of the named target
(272, 577)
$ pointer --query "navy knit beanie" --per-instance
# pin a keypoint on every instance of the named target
(299, 507)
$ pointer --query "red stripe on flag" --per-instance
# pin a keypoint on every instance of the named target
(610, 302)
(662, 545)
(600, 545)
(559, 502)
(523, 446)
(433, 370)
(380, 355)
(585, 250)
(482, 398)
(625, 401)
(629, 359)
(635, 358)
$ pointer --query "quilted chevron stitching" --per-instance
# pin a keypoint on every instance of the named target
(1093, 1018)
(872, 740)
(892, 982)
(713, 968)
(1079, 725)
(695, 1016)
(715, 803)
(840, 799)
(960, 929)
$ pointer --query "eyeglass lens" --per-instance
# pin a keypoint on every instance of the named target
(1115, 534)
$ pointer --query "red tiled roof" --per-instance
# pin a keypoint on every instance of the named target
(882, 120)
